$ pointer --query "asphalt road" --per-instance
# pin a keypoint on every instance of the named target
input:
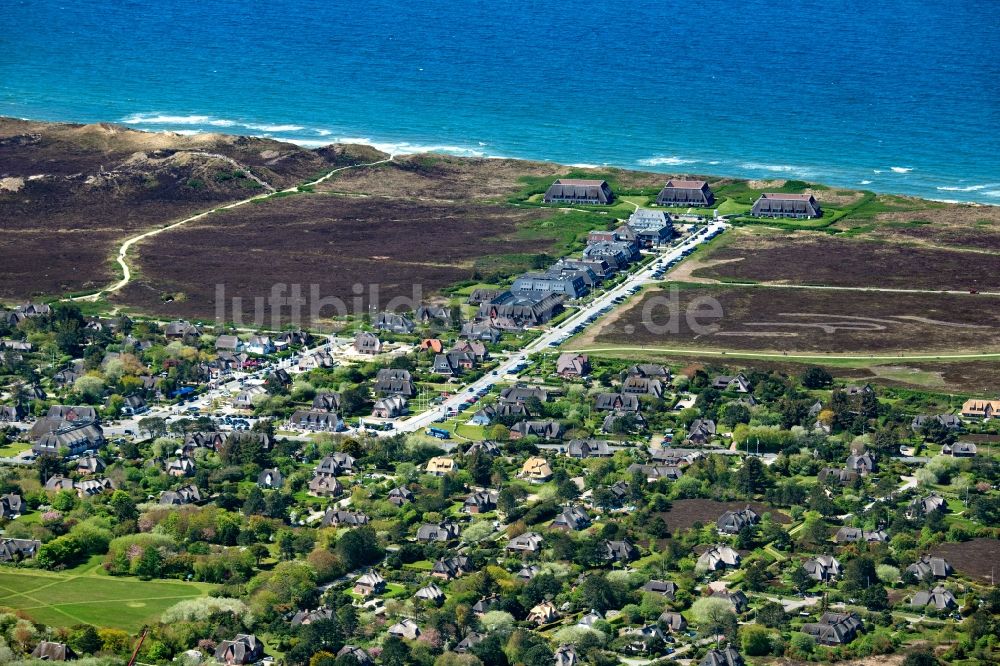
(550, 339)
(554, 335)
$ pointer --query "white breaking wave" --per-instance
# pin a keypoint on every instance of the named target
(671, 160)
(865, 182)
(270, 130)
(970, 188)
(274, 128)
(901, 169)
(993, 194)
(583, 165)
(164, 119)
(401, 148)
(305, 143)
(203, 120)
(790, 169)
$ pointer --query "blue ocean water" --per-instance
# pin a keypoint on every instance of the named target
(896, 95)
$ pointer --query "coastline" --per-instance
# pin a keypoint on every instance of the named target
(744, 168)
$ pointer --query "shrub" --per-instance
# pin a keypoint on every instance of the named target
(125, 552)
(801, 645)
(60, 552)
(115, 641)
(887, 573)
(477, 531)
(713, 615)
(756, 640)
(576, 634)
(198, 610)
(497, 622)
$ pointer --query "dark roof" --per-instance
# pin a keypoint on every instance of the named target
(588, 448)
(778, 204)
(443, 531)
(250, 436)
(737, 598)
(528, 541)
(732, 522)
(72, 412)
(541, 429)
(336, 464)
(319, 420)
(360, 655)
(341, 517)
(329, 402)
(471, 639)
(687, 184)
(673, 621)
(665, 587)
(620, 551)
(453, 566)
(396, 323)
(862, 463)
(575, 189)
(244, 649)
(725, 657)
(685, 191)
(270, 478)
(185, 495)
(394, 381)
(310, 616)
(573, 518)
(853, 534)
(400, 495)
(940, 598)
(522, 393)
(822, 567)
(76, 436)
(482, 499)
(617, 402)
(49, 651)
(834, 628)
(15, 550)
(928, 566)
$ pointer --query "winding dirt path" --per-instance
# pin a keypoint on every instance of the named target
(129, 242)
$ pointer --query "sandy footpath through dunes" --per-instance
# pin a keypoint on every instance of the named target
(129, 242)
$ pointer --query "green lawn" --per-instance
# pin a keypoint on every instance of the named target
(419, 565)
(62, 599)
(467, 290)
(13, 449)
(395, 591)
(732, 207)
(470, 431)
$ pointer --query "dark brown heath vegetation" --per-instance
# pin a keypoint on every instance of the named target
(332, 241)
(782, 319)
(69, 193)
(976, 558)
(811, 258)
(684, 513)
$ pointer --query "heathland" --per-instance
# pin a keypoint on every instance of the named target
(876, 275)
(248, 492)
